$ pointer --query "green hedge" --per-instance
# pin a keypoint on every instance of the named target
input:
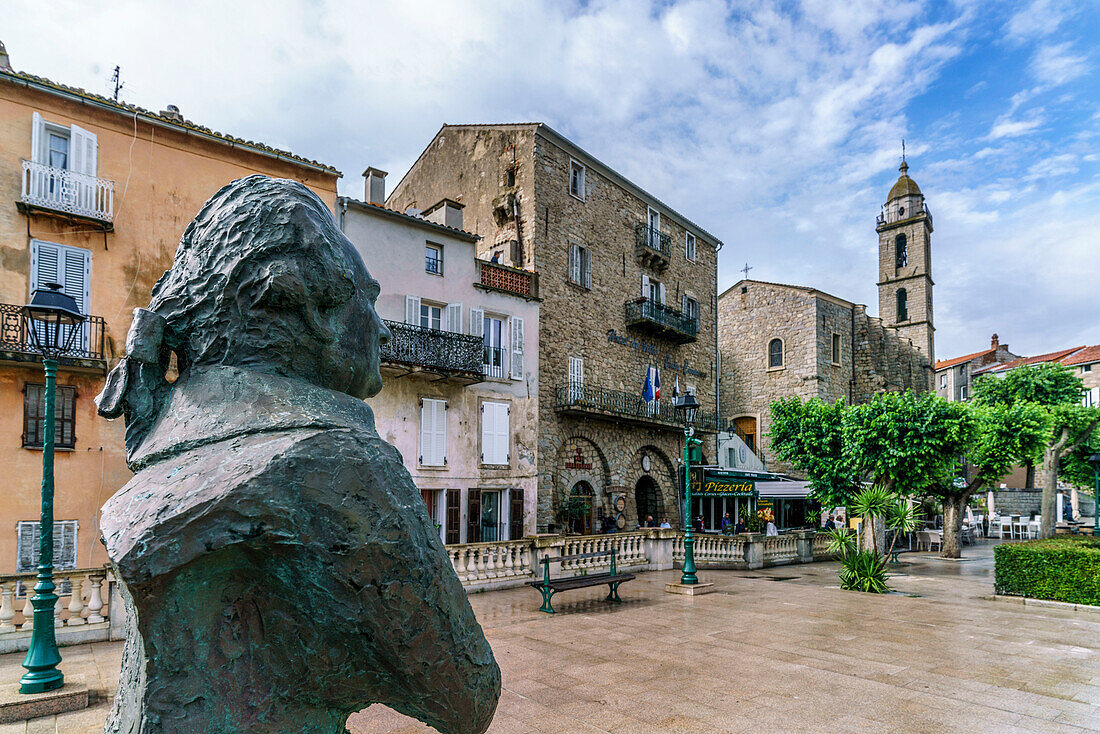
(1062, 568)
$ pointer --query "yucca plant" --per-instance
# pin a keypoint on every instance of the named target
(864, 571)
(902, 519)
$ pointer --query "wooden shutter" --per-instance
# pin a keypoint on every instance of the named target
(477, 322)
(453, 515)
(83, 146)
(454, 318)
(473, 516)
(645, 285)
(64, 544)
(27, 542)
(412, 310)
(38, 139)
(495, 435)
(517, 348)
(574, 263)
(433, 432)
(586, 266)
(515, 513)
(65, 417)
(661, 293)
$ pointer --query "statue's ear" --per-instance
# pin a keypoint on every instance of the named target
(281, 286)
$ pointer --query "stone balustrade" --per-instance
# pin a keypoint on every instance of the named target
(82, 613)
(509, 563)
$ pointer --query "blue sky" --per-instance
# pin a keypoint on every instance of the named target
(776, 126)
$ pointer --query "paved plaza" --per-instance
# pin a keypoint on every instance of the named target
(780, 649)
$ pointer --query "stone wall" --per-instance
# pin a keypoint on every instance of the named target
(914, 277)
(885, 360)
(1017, 501)
(470, 164)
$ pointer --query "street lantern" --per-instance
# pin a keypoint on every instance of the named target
(52, 321)
(1095, 461)
(687, 406)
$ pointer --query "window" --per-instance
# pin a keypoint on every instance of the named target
(493, 339)
(576, 179)
(510, 177)
(689, 246)
(689, 306)
(836, 349)
(901, 251)
(576, 379)
(490, 529)
(453, 512)
(494, 433)
(580, 266)
(67, 147)
(34, 416)
(58, 149)
(903, 305)
(433, 259)
(433, 432)
(431, 317)
(943, 381)
(962, 392)
(1086, 368)
(71, 267)
(653, 217)
(775, 353)
(64, 545)
(515, 513)
(653, 290)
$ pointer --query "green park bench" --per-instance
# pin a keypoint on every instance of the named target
(548, 586)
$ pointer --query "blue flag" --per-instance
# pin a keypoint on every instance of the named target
(647, 389)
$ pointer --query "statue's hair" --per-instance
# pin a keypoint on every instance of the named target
(256, 277)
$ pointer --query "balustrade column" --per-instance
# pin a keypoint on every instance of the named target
(95, 599)
(76, 602)
(7, 611)
(28, 611)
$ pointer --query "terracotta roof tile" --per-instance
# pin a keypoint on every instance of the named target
(942, 365)
(1085, 356)
(130, 109)
(1059, 356)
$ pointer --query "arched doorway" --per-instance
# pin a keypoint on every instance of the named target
(580, 509)
(647, 499)
(745, 428)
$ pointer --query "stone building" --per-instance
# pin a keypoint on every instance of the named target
(1083, 361)
(777, 340)
(94, 195)
(460, 374)
(953, 376)
(628, 287)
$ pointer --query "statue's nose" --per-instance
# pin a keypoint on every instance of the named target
(385, 336)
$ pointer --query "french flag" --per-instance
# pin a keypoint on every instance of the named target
(651, 390)
(657, 383)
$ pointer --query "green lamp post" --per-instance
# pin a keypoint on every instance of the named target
(1095, 461)
(687, 406)
(52, 321)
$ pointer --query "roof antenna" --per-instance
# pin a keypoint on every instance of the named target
(115, 79)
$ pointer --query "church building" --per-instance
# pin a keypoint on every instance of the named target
(777, 340)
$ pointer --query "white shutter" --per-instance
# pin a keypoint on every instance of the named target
(454, 318)
(45, 264)
(645, 286)
(576, 371)
(412, 310)
(433, 432)
(684, 304)
(517, 348)
(477, 322)
(661, 293)
(494, 433)
(82, 147)
(38, 139)
(574, 263)
(586, 266)
(75, 274)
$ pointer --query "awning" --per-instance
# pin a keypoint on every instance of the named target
(783, 490)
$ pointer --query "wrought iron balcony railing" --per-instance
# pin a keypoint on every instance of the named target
(62, 190)
(15, 342)
(493, 361)
(647, 314)
(434, 350)
(587, 399)
(652, 239)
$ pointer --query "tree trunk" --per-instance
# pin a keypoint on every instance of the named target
(954, 505)
(1029, 476)
(867, 534)
(1052, 457)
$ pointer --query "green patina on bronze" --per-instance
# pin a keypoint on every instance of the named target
(277, 562)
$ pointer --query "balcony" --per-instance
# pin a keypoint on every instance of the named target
(72, 195)
(627, 407)
(505, 279)
(652, 246)
(648, 315)
(15, 346)
(441, 355)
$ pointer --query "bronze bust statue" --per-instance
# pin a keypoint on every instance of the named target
(278, 565)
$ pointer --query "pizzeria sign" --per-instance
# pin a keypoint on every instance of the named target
(716, 483)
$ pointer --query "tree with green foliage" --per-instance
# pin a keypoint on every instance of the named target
(1057, 391)
(990, 441)
(808, 436)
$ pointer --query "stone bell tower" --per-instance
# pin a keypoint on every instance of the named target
(905, 264)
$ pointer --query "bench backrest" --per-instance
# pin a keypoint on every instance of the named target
(547, 560)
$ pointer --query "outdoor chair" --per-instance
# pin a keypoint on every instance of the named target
(994, 526)
(1005, 526)
(1019, 527)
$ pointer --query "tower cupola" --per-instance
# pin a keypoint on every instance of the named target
(905, 199)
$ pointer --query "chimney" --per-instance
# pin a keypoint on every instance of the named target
(447, 212)
(995, 342)
(172, 112)
(5, 62)
(375, 187)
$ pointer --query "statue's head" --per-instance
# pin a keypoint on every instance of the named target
(262, 280)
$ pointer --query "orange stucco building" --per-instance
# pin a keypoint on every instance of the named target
(94, 195)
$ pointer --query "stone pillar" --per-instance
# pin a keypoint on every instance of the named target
(548, 545)
(806, 545)
(658, 548)
(754, 549)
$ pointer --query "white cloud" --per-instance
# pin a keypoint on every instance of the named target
(1035, 20)
(1006, 127)
(1054, 65)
